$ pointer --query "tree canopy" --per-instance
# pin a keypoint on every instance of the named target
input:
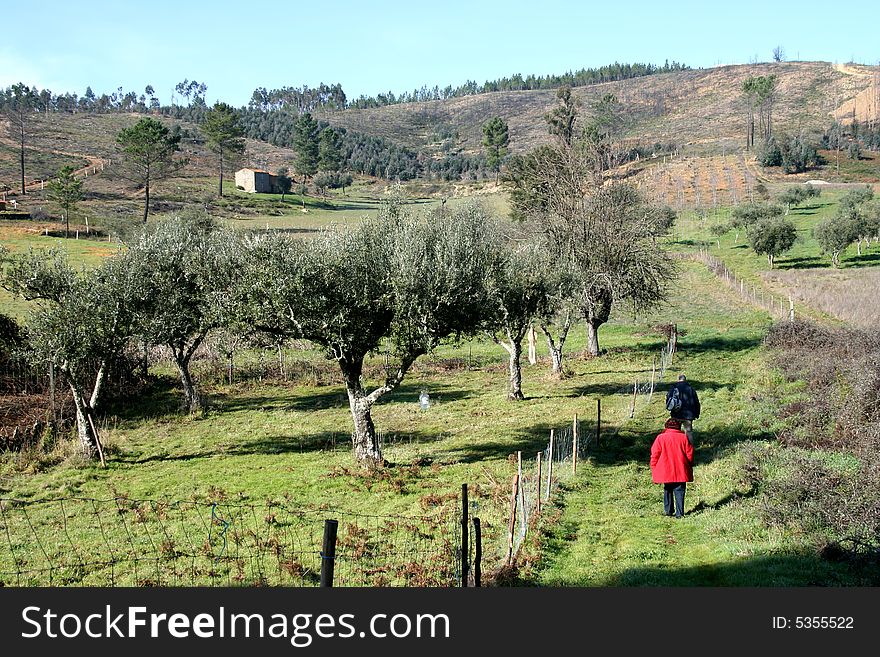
(147, 149)
(224, 134)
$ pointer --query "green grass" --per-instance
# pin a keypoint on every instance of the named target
(612, 531)
(268, 439)
(734, 249)
(21, 236)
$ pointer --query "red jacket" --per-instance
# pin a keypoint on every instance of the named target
(672, 458)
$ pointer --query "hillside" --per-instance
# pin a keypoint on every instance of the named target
(700, 108)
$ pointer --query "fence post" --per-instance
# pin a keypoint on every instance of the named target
(328, 552)
(512, 524)
(478, 553)
(52, 393)
(632, 409)
(549, 466)
(653, 373)
(598, 419)
(464, 536)
(574, 445)
(538, 488)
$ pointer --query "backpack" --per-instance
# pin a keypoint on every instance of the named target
(673, 402)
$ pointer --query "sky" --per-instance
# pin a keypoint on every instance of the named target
(382, 45)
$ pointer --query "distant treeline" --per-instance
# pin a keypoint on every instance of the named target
(582, 78)
(324, 96)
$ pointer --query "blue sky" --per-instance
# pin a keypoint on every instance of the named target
(370, 47)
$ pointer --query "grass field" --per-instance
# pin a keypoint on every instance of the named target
(263, 438)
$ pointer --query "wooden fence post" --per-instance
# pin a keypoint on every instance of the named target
(632, 409)
(538, 488)
(574, 445)
(512, 524)
(478, 553)
(653, 374)
(549, 467)
(328, 552)
(464, 536)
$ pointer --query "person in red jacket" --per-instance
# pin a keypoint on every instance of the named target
(672, 464)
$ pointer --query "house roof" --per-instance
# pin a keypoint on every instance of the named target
(256, 170)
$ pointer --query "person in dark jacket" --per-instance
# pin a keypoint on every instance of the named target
(672, 464)
(688, 408)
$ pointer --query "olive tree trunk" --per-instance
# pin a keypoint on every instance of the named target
(555, 346)
(593, 337)
(182, 355)
(364, 439)
(513, 347)
(90, 443)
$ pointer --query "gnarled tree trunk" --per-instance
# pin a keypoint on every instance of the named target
(192, 398)
(555, 346)
(182, 355)
(364, 439)
(87, 441)
(513, 347)
(593, 337)
(596, 314)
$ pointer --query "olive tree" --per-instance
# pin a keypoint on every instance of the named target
(519, 293)
(615, 256)
(747, 214)
(772, 236)
(559, 313)
(408, 282)
(183, 268)
(601, 234)
(80, 322)
(838, 232)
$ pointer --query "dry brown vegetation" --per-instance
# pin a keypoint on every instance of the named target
(848, 294)
(701, 108)
(827, 477)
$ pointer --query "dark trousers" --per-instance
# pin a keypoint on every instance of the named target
(673, 499)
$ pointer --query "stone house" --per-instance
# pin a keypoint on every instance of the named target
(256, 180)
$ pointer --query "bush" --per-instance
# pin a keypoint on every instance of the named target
(40, 215)
(827, 482)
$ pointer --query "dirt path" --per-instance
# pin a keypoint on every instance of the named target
(95, 164)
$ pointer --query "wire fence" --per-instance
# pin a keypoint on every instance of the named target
(536, 479)
(643, 389)
(127, 542)
(779, 307)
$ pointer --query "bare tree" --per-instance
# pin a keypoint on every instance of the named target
(22, 103)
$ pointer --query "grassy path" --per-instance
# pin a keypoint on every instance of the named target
(612, 531)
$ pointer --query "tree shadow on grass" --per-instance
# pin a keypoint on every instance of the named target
(634, 446)
(161, 397)
(805, 568)
(333, 397)
(718, 342)
(804, 262)
(276, 445)
(864, 260)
